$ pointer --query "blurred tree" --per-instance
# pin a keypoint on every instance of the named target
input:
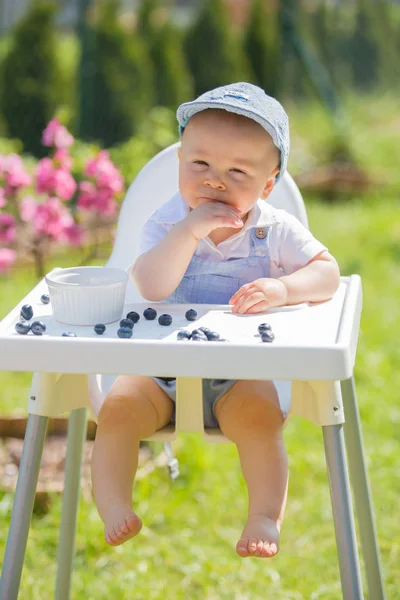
(292, 72)
(164, 45)
(122, 80)
(29, 77)
(214, 53)
(262, 45)
(364, 57)
(145, 18)
(174, 84)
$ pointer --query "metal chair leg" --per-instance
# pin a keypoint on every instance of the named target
(66, 549)
(23, 506)
(362, 491)
(342, 512)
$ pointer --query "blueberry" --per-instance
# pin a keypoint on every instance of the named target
(45, 299)
(205, 330)
(191, 314)
(38, 327)
(264, 327)
(150, 314)
(267, 336)
(213, 336)
(133, 316)
(22, 327)
(165, 319)
(196, 337)
(126, 323)
(199, 332)
(183, 335)
(124, 332)
(99, 328)
(27, 312)
(68, 334)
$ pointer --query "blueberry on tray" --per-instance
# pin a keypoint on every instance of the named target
(191, 314)
(267, 336)
(99, 328)
(165, 319)
(150, 314)
(213, 336)
(126, 323)
(183, 335)
(22, 327)
(124, 332)
(45, 299)
(198, 337)
(133, 316)
(27, 312)
(264, 327)
(38, 327)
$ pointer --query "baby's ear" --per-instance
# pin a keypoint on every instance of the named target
(269, 186)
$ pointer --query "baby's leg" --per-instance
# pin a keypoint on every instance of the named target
(249, 415)
(134, 409)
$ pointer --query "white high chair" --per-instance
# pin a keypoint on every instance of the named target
(323, 402)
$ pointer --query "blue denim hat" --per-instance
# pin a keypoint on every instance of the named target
(250, 101)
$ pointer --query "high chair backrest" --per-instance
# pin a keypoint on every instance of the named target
(154, 185)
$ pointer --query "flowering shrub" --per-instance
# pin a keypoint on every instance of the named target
(52, 205)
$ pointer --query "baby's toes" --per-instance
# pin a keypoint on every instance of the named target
(242, 548)
(259, 548)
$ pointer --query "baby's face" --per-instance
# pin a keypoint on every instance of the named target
(226, 158)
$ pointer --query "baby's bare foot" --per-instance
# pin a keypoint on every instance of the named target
(121, 524)
(260, 537)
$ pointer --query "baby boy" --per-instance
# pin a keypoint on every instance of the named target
(218, 241)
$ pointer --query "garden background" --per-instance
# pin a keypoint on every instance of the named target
(107, 76)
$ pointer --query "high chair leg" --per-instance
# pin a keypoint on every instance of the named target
(66, 549)
(23, 505)
(342, 512)
(362, 492)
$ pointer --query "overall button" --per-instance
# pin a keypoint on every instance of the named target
(261, 233)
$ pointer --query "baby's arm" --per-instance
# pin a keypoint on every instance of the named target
(318, 280)
(158, 272)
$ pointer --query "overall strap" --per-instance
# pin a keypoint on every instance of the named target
(259, 238)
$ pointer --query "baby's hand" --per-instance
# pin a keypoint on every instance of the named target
(258, 296)
(209, 216)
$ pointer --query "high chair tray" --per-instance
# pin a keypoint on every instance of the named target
(312, 342)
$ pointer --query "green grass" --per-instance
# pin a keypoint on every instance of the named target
(186, 549)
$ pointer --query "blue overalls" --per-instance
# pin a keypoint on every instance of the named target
(215, 282)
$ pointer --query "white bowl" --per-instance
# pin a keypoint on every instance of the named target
(87, 295)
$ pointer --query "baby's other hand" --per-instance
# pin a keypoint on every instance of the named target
(258, 296)
(209, 216)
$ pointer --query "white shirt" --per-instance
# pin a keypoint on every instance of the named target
(291, 245)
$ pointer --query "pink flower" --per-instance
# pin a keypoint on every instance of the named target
(62, 159)
(52, 218)
(57, 135)
(74, 235)
(51, 180)
(45, 176)
(16, 175)
(64, 184)
(13, 172)
(7, 259)
(103, 170)
(87, 196)
(2, 198)
(7, 228)
(27, 208)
